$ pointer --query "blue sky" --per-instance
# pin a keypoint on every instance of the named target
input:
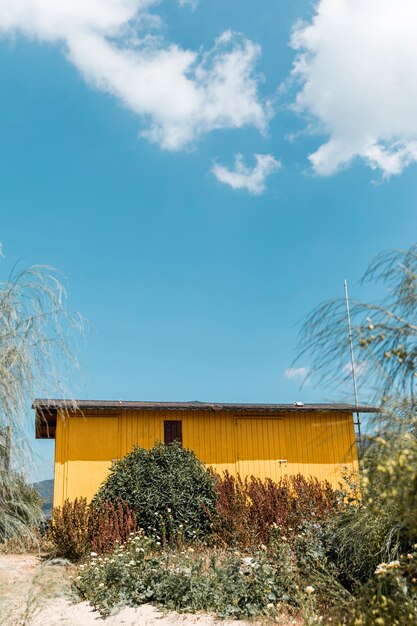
(195, 289)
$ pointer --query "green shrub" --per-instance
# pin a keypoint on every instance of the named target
(348, 564)
(389, 598)
(383, 524)
(228, 583)
(168, 488)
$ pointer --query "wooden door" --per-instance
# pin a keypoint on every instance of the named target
(260, 448)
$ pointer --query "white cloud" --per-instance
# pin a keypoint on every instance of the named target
(179, 94)
(191, 3)
(296, 373)
(243, 177)
(357, 63)
(360, 368)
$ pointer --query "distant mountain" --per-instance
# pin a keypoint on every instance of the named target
(45, 488)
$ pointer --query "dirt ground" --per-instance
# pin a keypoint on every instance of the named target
(36, 593)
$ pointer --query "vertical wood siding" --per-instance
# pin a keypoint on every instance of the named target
(313, 444)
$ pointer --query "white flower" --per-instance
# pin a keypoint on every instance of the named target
(93, 554)
(309, 589)
(131, 562)
(101, 585)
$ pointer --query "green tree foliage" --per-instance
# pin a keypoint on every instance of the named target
(383, 524)
(373, 541)
(384, 333)
(36, 333)
(168, 488)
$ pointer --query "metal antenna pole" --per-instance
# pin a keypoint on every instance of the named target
(352, 362)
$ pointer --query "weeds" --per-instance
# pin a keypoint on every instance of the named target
(79, 528)
(248, 509)
(228, 583)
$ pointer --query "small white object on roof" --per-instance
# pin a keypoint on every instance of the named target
(297, 403)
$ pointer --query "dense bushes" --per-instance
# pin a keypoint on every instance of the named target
(175, 500)
(168, 488)
(250, 547)
(228, 583)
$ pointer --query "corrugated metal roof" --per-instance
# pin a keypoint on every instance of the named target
(98, 405)
(46, 409)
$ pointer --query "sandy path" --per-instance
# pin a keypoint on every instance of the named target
(32, 594)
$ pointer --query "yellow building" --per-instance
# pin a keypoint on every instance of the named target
(264, 440)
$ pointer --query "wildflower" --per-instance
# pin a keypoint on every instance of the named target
(269, 605)
(382, 568)
(158, 543)
(93, 554)
(131, 562)
(309, 589)
(409, 556)
(101, 585)
(263, 547)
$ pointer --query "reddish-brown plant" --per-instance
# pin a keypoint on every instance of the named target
(248, 509)
(111, 524)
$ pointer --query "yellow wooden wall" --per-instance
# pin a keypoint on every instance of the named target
(313, 444)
